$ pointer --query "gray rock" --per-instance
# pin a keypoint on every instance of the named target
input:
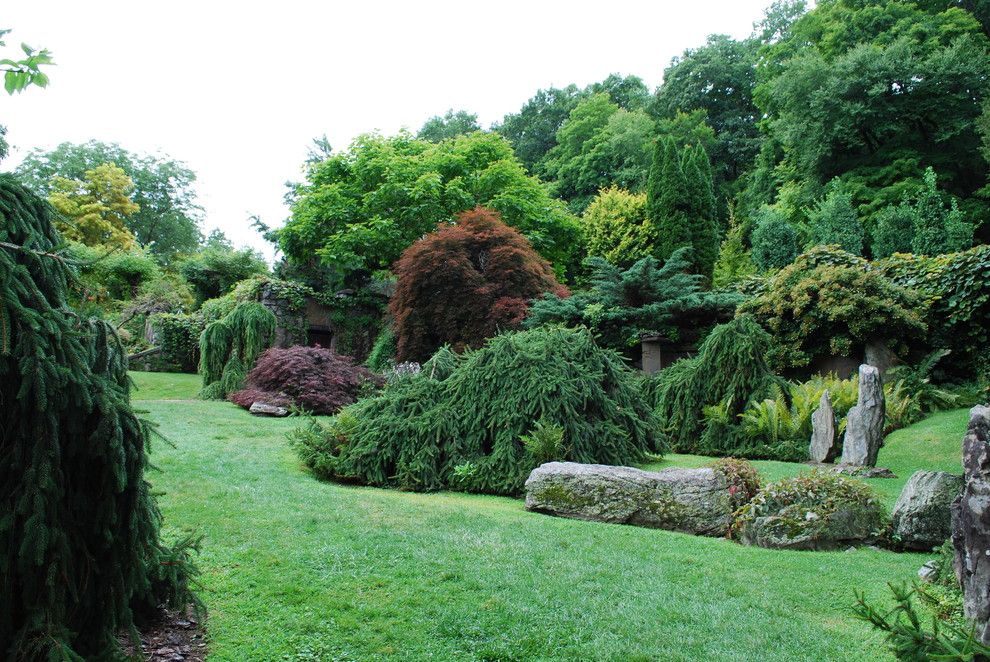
(836, 530)
(879, 355)
(971, 523)
(928, 572)
(922, 516)
(694, 501)
(265, 409)
(864, 423)
(862, 472)
(823, 429)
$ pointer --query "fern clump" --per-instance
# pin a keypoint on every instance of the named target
(483, 420)
(698, 400)
(229, 347)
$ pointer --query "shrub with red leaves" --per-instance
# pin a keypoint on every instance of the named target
(464, 283)
(314, 378)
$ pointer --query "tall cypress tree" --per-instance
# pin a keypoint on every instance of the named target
(702, 210)
(79, 545)
(667, 199)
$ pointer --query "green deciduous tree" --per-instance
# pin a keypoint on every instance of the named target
(533, 130)
(449, 125)
(20, 74)
(167, 223)
(599, 145)
(874, 93)
(213, 271)
(717, 79)
(360, 209)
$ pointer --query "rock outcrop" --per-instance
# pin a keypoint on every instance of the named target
(696, 501)
(864, 423)
(971, 523)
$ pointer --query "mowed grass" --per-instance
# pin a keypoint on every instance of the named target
(299, 569)
(165, 386)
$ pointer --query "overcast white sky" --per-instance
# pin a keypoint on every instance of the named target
(238, 89)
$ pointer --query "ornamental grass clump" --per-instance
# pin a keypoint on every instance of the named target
(314, 379)
(460, 422)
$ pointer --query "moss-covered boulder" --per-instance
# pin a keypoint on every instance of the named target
(697, 501)
(816, 510)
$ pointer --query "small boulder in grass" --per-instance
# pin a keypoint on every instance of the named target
(265, 409)
(315, 379)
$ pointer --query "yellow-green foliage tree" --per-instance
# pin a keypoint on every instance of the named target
(616, 227)
(94, 209)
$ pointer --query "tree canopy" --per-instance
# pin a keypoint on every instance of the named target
(874, 93)
(167, 222)
(359, 209)
(449, 125)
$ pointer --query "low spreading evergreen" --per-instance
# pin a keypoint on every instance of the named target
(698, 400)
(460, 422)
(80, 552)
(622, 305)
(229, 347)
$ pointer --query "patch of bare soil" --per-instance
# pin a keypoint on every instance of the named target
(174, 636)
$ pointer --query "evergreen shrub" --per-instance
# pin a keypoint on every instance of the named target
(229, 347)
(622, 305)
(698, 400)
(774, 240)
(80, 551)
(473, 410)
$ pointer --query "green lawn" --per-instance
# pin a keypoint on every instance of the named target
(298, 569)
(165, 386)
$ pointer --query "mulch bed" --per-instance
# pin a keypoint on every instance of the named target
(173, 637)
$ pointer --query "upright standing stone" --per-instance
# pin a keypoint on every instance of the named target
(971, 523)
(864, 424)
(823, 427)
